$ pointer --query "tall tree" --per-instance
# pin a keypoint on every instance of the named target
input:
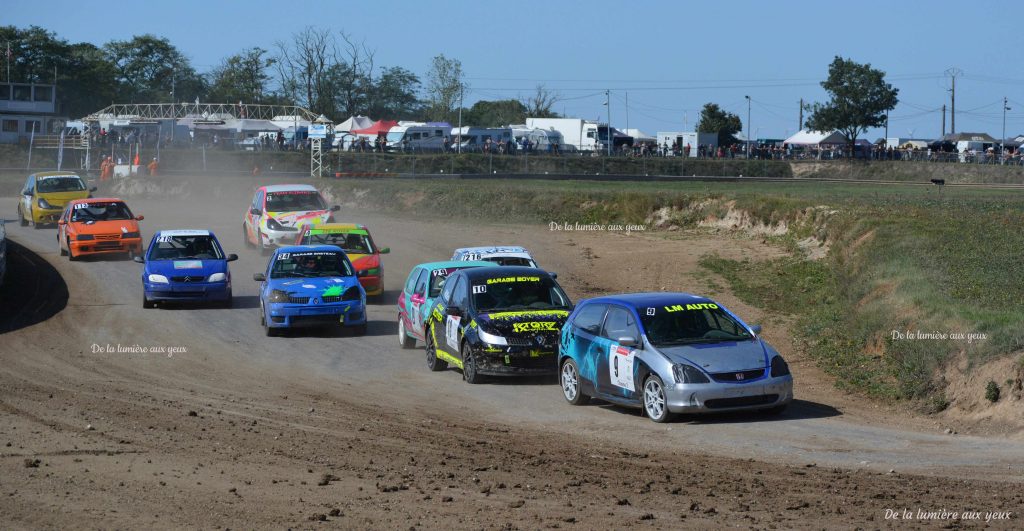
(715, 120)
(149, 69)
(496, 113)
(241, 77)
(539, 104)
(393, 95)
(860, 97)
(445, 85)
(304, 65)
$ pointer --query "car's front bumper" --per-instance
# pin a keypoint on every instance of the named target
(46, 215)
(192, 292)
(100, 246)
(714, 397)
(278, 238)
(511, 360)
(287, 315)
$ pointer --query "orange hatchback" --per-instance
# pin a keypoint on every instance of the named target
(98, 226)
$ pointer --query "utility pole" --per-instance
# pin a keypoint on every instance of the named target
(943, 119)
(627, 113)
(800, 126)
(953, 73)
(886, 129)
(748, 127)
(608, 103)
(462, 88)
(1002, 139)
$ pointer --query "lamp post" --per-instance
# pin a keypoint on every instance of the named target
(748, 126)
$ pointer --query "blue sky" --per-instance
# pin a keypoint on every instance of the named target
(667, 58)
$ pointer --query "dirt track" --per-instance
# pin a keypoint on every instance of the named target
(239, 430)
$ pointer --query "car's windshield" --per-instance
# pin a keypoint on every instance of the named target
(680, 324)
(311, 264)
(509, 260)
(356, 242)
(294, 201)
(93, 212)
(198, 247)
(521, 292)
(70, 183)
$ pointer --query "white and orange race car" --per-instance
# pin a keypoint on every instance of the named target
(278, 211)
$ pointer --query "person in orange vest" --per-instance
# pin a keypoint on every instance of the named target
(106, 168)
(153, 167)
(256, 170)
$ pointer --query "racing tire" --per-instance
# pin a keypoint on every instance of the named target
(61, 249)
(264, 250)
(21, 219)
(71, 252)
(146, 303)
(434, 363)
(403, 336)
(655, 401)
(267, 329)
(245, 238)
(469, 371)
(228, 302)
(569, 378)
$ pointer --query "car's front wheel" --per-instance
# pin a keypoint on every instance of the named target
(71, 252)
(403, 335)
(21, 218)
(63, 252)
(655, 401)
(267, 329)
(264, 250)
(569, 377)
(469, 368)
(245, 238)
(433, 362)
(146, 303)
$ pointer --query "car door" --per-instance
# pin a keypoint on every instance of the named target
(584, 329)
(418, 300)
(618, 361)
(253, 216)
(454, 324)
(26, 197)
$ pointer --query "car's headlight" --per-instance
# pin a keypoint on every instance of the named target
(129, 235)
(688, 374)
(492, 339)
(43, 203)
(272, 224)
(83, 237)
(158, 279)
(277, 295)
(351, 294)
(217, 277)
(779, 367)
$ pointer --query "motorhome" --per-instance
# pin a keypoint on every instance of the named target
(418, 136)
(471, 138)
(578, 134)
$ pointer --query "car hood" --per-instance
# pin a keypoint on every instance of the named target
(191, 268)
(314, 287)
(523, 322)
(720, 357)
(106, 227)
(59, 199)
(298, 219)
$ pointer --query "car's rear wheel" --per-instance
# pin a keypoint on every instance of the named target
(433, 362)
(655, 400)
(469, 369)
(403, 335)
(569, 377)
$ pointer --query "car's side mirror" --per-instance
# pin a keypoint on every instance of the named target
(756, 329)
(93, 189)
(254, 211)
(553, 274)
(61, 222)
(232, 257)
(454, 310)
(335, 208)
(138, 259)
(417, 298)
(627, 341)
(140, 218)
(385, 250)
(259, 277)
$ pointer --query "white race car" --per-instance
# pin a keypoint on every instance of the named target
(506, 255)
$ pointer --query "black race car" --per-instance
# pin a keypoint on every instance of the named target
(497, 321)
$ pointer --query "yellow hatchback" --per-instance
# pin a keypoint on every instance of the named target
(45, 194)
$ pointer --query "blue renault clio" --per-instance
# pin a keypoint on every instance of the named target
(310, 285)
(185, 266)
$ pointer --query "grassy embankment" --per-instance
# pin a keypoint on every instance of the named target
(901, 258)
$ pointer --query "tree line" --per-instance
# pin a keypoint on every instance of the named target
(328, 72)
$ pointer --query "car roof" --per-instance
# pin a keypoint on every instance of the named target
(289, 188)
(339, 226)
(96, 200)
(307, 248)
(184, 232)
(492, 250)
(54, 174)
(649, 299)
(502, 271)
(454, 263)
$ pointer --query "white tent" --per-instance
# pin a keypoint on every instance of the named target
(815, 138)
(353, 123)
(639, 136)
